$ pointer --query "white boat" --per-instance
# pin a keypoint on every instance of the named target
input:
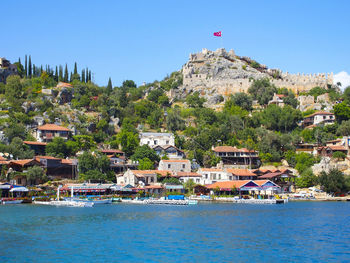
(11, 202)
(65, 203)
(94, 201)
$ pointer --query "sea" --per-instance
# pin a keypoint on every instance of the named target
(226, 232)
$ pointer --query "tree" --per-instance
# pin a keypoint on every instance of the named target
(189, 186)
(341, 112)
(210, 159)
(60, 73)
(94, 167)
(83, 75)
(35, 172)
(128, 141)
(18, 149)
(14, 89)
(262, 90)
(145, 151)
(65, 78)
(26, 66)
(344, 128)
(174, 122)
(339, 155)
(242, 100)
(306, 179)
(333, 182)
(57, 148)
(146, 164)
(304, 161)
(15, 130)
(30, 67)
(109, 86)
(194, 100)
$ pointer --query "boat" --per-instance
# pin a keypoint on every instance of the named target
(93, 200)
(65, 203)
(10, 201)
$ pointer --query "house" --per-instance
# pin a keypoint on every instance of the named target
(172, 152)
(212, 175)
(18, 168)
(114, 152)
(141, 177)
(305, 147)
(318, 118)
(227, 187)
(153, 139)
(282, 177)
(237, 158)
(57, 168)
(330, 150)
(37, 147)
(241, 174)
(277, 99)
(175, 165)
(186, 176)
(47, 132)
(6, 69)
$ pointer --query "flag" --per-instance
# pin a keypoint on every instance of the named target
(217, 34)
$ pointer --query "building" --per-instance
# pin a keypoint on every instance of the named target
(57, 168)
(237, 158)
(37, 147)
(172, 152)
(153, 139)
(330, 150)
(282, 177)
(141, 177)
(241, 174)
(47, 132)
(319, 118)
(6, 69)
(175, 165)
(18, 169)
(277, 99)
(186, 176)
(305, 147)
(212, 175)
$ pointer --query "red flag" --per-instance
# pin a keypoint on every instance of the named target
(217, 34)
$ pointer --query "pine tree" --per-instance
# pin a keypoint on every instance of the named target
(30, 67)
(65, 78)
(109, 86)
(60, 73)
(83, 75)
(25, 67)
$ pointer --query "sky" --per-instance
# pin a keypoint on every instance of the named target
(147, 40)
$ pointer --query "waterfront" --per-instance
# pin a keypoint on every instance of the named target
(297, 231)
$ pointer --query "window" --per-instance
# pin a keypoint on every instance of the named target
(155, 142)
(152, 179)
(169, 165)
(324, 117)
(19, 180)
(183, 166)
(148, 142)
(206, 176)
(197, 180)
(230, 177)
(167, 142)
(219, 176)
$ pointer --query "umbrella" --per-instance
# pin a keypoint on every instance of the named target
(19, 189)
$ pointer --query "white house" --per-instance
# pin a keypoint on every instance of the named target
(47, 132)
(185, 176)
(320, 117)
(212, 175)
(175, 165)
(153, 139)
(141, 177)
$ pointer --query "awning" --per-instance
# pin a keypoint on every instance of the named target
(19, 189)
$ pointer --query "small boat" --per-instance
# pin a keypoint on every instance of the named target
(65, 203)
(95, 201)
(10, 201)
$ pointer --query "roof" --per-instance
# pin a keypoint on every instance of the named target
(39, 157)
(35, 143)
(153, 187)
(333, 148)
(112, 151)
(22, 162)
(151, 172)
(241, 172)
(262, 182)
(52, 127)
(229, 184)
(319, 113)
(230, 149)
(175, 161)
(280, 95)
(158, 134)
(64, 85)
(270, 175)
(211, 170)
(67, 161)
(167, 146)
(337, 140)
(188, 174)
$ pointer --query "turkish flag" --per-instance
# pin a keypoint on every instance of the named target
(217, 34)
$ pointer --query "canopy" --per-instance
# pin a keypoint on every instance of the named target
(19, 189)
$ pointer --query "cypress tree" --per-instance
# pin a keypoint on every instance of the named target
(56, 74)
(75, 69)
(60, 74)
(90, 75)
(30, 67)
(41, 70)
(87, 75)
(83, 75)
(25, 67)
(65, 78)
(71, 78)
(109, 86)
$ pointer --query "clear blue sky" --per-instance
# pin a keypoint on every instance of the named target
(146, 40)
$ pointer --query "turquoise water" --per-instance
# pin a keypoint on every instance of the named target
(294, 232)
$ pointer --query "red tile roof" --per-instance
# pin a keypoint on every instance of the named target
(23, 162)
(230, 149)
(39, 157)
(319, 113)
(211, 170)
(228, 184)
(35, 143)
(270, 175)
(112, 151)
(52, 127)
(188, 174)
(175, 161)
(150, 172)
(241, 172)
